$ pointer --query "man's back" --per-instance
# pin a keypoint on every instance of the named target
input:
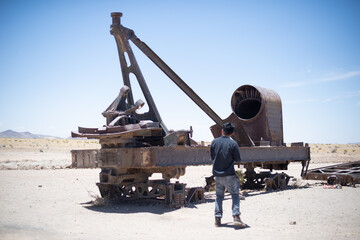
(224, 151)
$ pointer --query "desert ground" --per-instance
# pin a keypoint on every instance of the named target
(43, 198)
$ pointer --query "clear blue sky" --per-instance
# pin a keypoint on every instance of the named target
(59, 67)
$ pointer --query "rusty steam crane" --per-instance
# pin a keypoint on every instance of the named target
(134, 145)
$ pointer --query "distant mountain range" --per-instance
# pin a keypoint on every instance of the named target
(14, 134)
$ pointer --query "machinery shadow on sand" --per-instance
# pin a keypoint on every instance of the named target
(210, 196)
(155, 206)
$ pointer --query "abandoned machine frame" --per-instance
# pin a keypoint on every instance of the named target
(135, 145)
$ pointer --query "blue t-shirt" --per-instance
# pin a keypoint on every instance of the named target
(224, 152)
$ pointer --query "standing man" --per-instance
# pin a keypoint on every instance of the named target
(224, 152)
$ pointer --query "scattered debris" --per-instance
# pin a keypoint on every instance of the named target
(195, 194)
(210, 184)
(347, 173)
(335, 186)
(279, 181)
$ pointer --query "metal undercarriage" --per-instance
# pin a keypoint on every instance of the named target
(125, 172)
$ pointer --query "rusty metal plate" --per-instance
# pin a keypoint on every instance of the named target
(124, 134)
(84, 158)
(192, 156)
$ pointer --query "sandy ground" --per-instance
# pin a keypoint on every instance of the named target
(56, 202)
(37, 154)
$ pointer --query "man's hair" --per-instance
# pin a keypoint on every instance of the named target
(228, 128)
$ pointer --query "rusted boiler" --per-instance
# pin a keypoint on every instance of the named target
(259, 111)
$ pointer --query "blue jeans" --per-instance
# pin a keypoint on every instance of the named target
(231, 183)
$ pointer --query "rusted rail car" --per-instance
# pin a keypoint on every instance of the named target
(134, 145)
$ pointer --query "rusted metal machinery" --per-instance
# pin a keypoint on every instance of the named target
(259, 111)
(134, 145)
(346, 173)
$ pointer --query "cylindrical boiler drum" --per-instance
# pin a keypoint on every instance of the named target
(260, 111)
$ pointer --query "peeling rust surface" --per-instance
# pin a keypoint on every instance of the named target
(192, 156)
(256, 112)
(260, 112)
